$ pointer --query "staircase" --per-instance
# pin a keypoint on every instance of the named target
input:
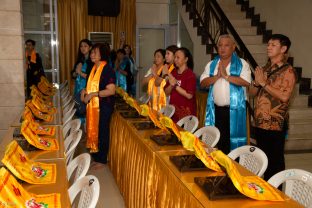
(254, 35)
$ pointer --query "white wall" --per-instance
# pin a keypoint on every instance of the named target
(11, 63)
(292, 18)
(152, 12)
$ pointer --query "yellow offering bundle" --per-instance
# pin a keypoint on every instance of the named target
(148, 111)
(39, 104)
(35, 92)
(251, 186)
(45, 87)
(37, 141)
(36, 112)
(27, 170)
(12, 194)
(35, 127)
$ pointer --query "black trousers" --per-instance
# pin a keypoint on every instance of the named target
(272, 143)
(222, 122)
(105, 116)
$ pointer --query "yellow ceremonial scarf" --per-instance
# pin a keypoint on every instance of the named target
(32, 56)
(93, 108)
(251, 186)
(27, 170)
(12, 194)
(158, 93)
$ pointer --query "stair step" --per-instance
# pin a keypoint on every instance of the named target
(241, 23)
(300, 113)
(299, 101)
(227, 2)
(260, 48)
(236, 15)
(301, 126)
(261, 58)
(252, 39)
(246, 30)
(227, 8)
(299, 143)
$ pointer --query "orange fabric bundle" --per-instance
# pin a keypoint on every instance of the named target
(39, 142)
(27, 170)
(39, 104)
(35, 92)
(45, 87)
(167, 122)
(157, 93)
(12, 194)
(36, 112)
(35, 127)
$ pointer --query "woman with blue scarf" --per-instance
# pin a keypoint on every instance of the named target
(227, 75)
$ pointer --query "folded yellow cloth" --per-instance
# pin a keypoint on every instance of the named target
(12, 194)
(45, 87)
(35, 92)
(36, 112)
(40, 130)
(27, 170)
(40, 105)
(38, 141)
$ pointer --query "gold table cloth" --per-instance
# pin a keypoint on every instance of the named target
(146, 178)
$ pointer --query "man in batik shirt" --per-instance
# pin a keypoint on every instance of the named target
(273, 86)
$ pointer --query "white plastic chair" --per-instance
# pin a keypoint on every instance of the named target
(252, 158)
(80, 165)
(210, 135)
(298, 185)
(69, 107)
(188, 123)
(63, 85)
(89, 187)
(66, 101)
(71, 126)
(144, 99)
(71, 143)
(68, 116)
(65, 94)
(167, 110)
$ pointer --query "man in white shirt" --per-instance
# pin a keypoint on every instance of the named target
(227, 76)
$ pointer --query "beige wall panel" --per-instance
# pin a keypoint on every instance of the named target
(11, 71)
(152, 13)
(10, 5)
(10, 23)
(11, 47)
(12, 95)
(8, 115)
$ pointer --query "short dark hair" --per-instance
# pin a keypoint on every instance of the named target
(187, 53)
(104, 51)
(161, 51)
(283, 39)
(121, 50)
(30, 41)
(172, 48)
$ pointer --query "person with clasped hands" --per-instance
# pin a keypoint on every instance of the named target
(227, 75)
(273, 86)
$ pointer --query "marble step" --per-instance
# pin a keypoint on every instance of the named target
(261, 58)
(246, 30)
(300, 126)
(229, 7)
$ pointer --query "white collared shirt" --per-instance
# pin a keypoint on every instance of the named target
(221, 88)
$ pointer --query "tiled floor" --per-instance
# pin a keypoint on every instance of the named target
(111, 197)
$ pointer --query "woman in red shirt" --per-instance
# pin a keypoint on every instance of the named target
(182, 85)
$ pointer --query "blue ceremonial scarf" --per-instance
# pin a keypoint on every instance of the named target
(121, 80)
(238, 132)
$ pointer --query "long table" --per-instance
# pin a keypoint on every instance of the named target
(146, 177)
(58, 157)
